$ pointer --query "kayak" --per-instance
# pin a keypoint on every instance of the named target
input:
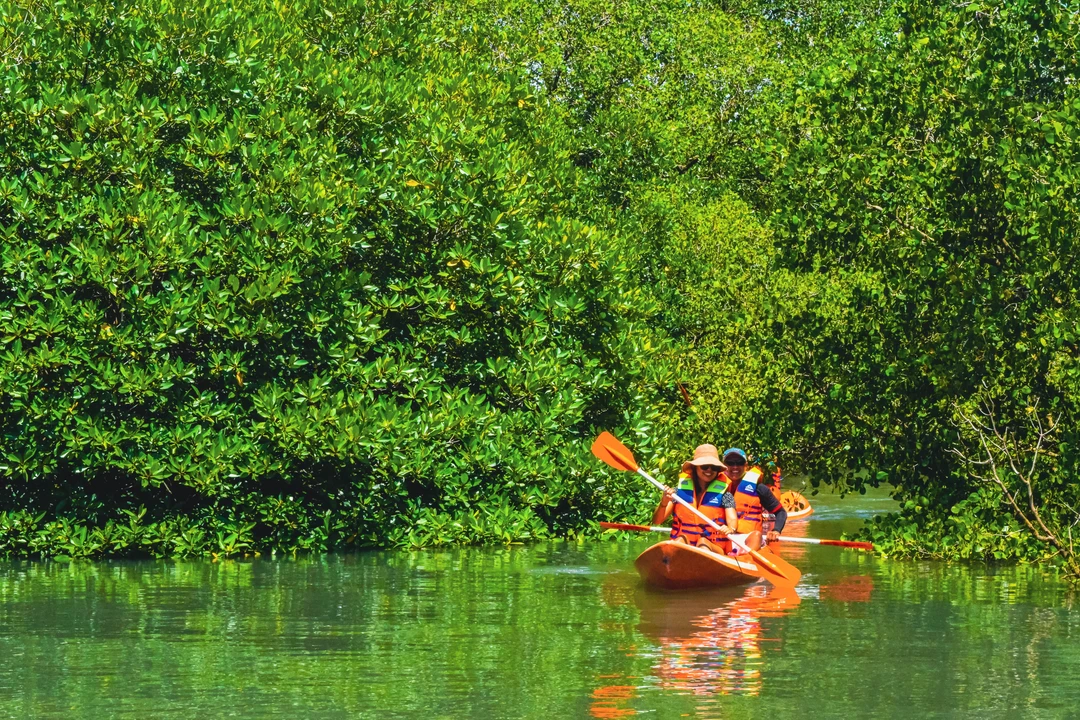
(675, 566)
(796, 504)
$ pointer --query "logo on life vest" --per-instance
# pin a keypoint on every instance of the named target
(748, 486)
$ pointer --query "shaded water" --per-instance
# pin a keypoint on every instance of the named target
(546, 631)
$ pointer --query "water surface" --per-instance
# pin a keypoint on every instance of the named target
(545, 631)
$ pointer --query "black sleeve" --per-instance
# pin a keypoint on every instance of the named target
(771, 504)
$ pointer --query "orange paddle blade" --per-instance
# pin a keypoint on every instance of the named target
(781, 573)
(614, 453)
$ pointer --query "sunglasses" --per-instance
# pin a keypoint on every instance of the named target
(714, 468)
(741, 463)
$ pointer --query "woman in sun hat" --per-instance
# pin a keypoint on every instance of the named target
(703, 485)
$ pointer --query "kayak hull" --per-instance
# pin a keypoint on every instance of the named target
(677, 566)
(800, 514)
(796, 504)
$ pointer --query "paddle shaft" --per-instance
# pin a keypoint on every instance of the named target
(806, 541)
(634, 528)
(663, 488)
(837, 543)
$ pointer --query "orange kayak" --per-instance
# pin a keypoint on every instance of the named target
(675, 566)
(796, 504)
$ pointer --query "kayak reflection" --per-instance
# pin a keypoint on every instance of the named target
(612, 701)
(710, 642)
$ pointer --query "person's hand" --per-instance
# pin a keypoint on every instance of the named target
(772, 536)
(723, 530)
(669, 494)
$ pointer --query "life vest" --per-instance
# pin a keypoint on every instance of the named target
(686, 523)
(747, 503)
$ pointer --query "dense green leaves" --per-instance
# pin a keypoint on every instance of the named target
(938, 155)
(294, 277)
(303, 277)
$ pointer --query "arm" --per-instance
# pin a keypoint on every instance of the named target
(727, 501)
(771, 504)
(731, 518)
(663, 510)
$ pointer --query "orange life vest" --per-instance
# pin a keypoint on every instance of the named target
(686, 523)
(747, 503)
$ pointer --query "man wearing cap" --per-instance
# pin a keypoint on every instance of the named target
(750, 499)
(702, 485)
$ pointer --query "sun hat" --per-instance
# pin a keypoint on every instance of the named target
(735, 451)
(704, 455)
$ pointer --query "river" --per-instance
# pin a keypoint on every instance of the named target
(543, 631)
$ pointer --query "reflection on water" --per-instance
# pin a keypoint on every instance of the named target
(711, 646)
(848, 589)
(552, 630)
(613, 701)
(860, 637)
(708, 643)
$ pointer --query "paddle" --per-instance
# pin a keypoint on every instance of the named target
(804, 540)
(614, 453)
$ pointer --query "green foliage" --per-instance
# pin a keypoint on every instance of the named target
(661, 121)
(296, 277)
(939, 157)
(902, 262)
(374, 273)
(651, 97)
(974, 529)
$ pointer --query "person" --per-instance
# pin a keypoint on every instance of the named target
(703, 485)
(751, 498)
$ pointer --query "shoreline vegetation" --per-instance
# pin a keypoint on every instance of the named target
(306, 276)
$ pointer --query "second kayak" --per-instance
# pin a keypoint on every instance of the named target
(796, 504)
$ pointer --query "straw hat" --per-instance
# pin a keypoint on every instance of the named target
(704, 455)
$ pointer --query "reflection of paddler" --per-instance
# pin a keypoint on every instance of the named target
(702, 485)
(706, 652)
(667, 616)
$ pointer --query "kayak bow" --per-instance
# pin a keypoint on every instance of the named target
(674, 565)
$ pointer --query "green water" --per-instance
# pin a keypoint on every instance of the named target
(548, 631)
